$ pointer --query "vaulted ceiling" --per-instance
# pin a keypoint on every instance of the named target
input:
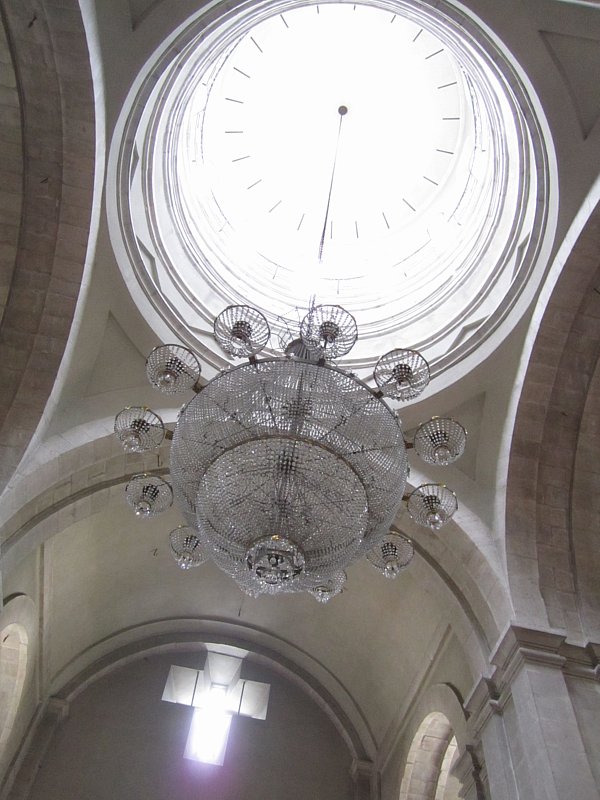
(73, 342)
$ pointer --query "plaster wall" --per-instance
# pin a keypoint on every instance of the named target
(122, 574)
(121, 741)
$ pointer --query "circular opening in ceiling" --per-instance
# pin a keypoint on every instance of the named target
(378, 155)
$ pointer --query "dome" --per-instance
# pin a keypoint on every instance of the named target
(397, 171)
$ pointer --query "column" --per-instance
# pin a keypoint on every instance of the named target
(534, 718)
(365, 780)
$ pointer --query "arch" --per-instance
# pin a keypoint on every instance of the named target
(441, 702)
(282, 656)
(429, 758)
(543, 547)
(13, 668)
(448, 786)
(18, 655)
(11, 168)
(94, 472)
(585, 513)
(58, 173)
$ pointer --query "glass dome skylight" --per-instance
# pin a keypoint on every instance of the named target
(338, 173)
(378, 155)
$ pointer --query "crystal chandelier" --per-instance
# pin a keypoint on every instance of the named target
(288, 469)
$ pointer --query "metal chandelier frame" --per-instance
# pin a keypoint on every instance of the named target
(288, 469)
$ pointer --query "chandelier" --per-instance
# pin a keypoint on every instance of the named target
(288, 469)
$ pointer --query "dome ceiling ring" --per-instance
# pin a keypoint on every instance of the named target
(439, 286)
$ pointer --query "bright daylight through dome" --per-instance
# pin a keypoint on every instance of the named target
(371, 155)
(311, 163)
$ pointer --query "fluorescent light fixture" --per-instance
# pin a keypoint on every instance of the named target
(207, 740)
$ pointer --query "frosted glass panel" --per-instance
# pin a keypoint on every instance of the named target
(180, 685)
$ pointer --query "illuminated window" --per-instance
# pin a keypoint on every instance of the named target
(207, 739)
(217, 693)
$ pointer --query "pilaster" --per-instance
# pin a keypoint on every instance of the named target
(365, 779)
(24, 769)
(526, 721)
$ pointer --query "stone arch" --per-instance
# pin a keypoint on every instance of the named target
(427, 769)
(585, 513)
(13, 668)
(94, 472)
(57, 122)
(172, 635)
(18, 655)
(448, 785)
(549, 450)
(435, 756)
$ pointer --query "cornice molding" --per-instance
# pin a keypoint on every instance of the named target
(517, 648)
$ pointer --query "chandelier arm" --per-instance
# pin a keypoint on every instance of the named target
(235, 419)
(293, 438)
(172, 368)
(298, 422)
(139, 429)
(440, 440)
(340, 423)
(379, 449)
(432, 505)
(269, 405)
(338, 503)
